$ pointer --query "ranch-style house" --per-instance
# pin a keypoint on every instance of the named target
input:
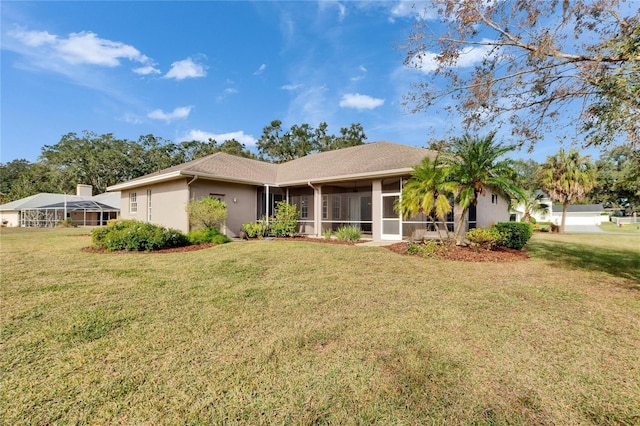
(352, 186)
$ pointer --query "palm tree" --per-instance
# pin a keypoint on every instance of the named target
(476, 166)
(531, 202)
(428, 192)
(567, 178)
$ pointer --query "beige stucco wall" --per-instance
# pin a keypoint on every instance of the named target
(489, 213)
(168, 201)
(241, 201)
(12, 218)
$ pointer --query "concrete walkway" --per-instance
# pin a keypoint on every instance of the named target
(583, 229)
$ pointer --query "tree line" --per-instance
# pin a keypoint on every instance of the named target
(104, 160)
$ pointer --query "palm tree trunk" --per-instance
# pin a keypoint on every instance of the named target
(459, 234)
(565, 207)
(437, 227)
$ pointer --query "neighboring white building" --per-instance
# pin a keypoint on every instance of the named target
(577, 214)
(45, 210)
(580, 214)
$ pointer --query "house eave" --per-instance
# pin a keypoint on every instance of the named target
(149, 180)
(355, 176)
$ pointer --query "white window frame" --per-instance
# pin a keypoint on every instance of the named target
(336, 208)
(133, 202)
(304, 207)
(148, 205)
(325, 207)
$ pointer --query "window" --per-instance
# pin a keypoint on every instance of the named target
(148, 205)
(336, 207)
(325, 207)
(304, 207)
(494, 199)
(133, 202)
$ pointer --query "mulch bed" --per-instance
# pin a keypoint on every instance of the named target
(457, 253)
(467, 254)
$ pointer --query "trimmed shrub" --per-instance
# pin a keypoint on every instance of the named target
(203, 236)
(132, 235)
(206, 213)
(516, 234)
(258, 229)
(349, 233)
(485, 238)
(427, 249)
(285, 222)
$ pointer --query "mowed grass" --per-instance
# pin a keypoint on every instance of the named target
(304, 333)
(629, 228)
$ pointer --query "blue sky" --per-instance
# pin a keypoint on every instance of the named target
(195, 70)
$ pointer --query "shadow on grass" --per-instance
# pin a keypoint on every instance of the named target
(619, 263)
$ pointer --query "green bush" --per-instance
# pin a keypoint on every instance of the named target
(327, 233)
(203, 236)
(285, 222)
(67, 223)
(485, 238)
(132, 235)
(427, 249)
(258, 229)
(349, 233)
(516, 234)
(206, 213)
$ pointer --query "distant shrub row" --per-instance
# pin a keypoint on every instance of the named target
(132, 235)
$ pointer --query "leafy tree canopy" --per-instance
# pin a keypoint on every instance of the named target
(540, 60)
(618, 179)
(279, 146)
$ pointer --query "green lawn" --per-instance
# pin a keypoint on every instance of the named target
(275, 332)
(630, 228)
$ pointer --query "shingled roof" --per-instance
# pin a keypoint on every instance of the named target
(362, 161)
(358, 161)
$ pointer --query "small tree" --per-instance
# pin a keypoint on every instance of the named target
(531, 202)
(428, 192)
(285, 222)
(567, 178)
(207, 213)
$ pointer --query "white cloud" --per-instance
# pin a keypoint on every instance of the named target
(227, 92)
(292, 87)
(78, 48)
(421, 10)
(469, 56)
(363, 74)
(329, 5)
(201, 135)
(179, 113)
(130, 118)
(187, 68)
(260, 70)
(146, 70)
(342, 12)
(34, 38)
(360, 102)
